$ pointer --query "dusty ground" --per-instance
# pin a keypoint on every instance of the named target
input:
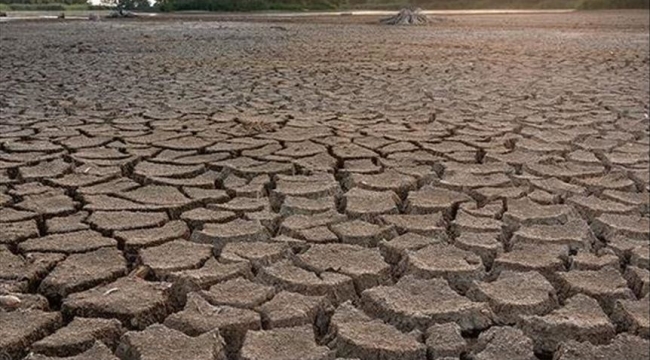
(325, 188)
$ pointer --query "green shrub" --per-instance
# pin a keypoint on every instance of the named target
(214, 5)
(40, 2)
(76, 7)
(613, 4)
(322, 5)
(98, 7)
(286, 7)
(37, 7)
(493, 4)
(247, 5)
(377, 5)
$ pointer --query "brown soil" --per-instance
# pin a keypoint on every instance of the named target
(325, 188)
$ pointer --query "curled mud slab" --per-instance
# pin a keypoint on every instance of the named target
(272, 188)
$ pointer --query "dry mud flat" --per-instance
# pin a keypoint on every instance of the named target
(184, 189)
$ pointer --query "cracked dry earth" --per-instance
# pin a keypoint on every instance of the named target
(184, 189)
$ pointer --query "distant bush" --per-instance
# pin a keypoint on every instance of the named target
(131, 5)
(613, 4)
(37, 7)
(376, 4)
(493, 4)
(42, 2)
(286, 7)
(498, 4)
(52, 7)
(215, 5)
(77, 7)
(98, 7)
(247, 5)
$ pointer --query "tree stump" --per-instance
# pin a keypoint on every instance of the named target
(407, 17)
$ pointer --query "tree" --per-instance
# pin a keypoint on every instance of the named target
(122, 5)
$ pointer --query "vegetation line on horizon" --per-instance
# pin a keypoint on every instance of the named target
(314, 5)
